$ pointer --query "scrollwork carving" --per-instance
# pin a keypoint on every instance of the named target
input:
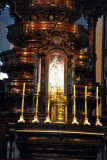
(48, 11)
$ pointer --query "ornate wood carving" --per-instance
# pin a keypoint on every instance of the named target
(19, 63)
(61, 142)
(44, 25)
(55, 10)
(40, 34)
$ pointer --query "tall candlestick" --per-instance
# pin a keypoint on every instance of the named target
(36, 120)
(96, 91)
(85, 107)
(85, 101)
(97, 114)
(37, 88)
(74, 90)
(48, 117)
(85, 91)
(74, 102)
(23, 88)
(98, 123)
(37, 99)
(86, 122)
(74, 118)
(74, 108)
(22, 110)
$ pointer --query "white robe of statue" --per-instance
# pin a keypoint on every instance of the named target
(55, 74)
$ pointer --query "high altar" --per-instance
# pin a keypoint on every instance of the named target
(49, 53)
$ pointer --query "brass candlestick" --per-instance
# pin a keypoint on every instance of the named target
(86, 122)
(74, 118)
(35, 120)
(48, 117)
(98, 123)
(22, 108)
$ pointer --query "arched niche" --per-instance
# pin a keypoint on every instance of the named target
(67, 63)
(56, 70)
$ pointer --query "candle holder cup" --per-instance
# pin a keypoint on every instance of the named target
(86, 122)
(74, 114)
(35, 120)
(98, 123)
(48, 117)
(21, 119)
(47, 120)
(75, 121)
(22, 108)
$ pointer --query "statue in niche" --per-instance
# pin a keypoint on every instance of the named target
(55, 78)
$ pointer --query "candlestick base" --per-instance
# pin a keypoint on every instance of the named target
(35, 119)
(86, 122)
(75, 121)
(21, 119)
(47, 120)
(98, 123)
